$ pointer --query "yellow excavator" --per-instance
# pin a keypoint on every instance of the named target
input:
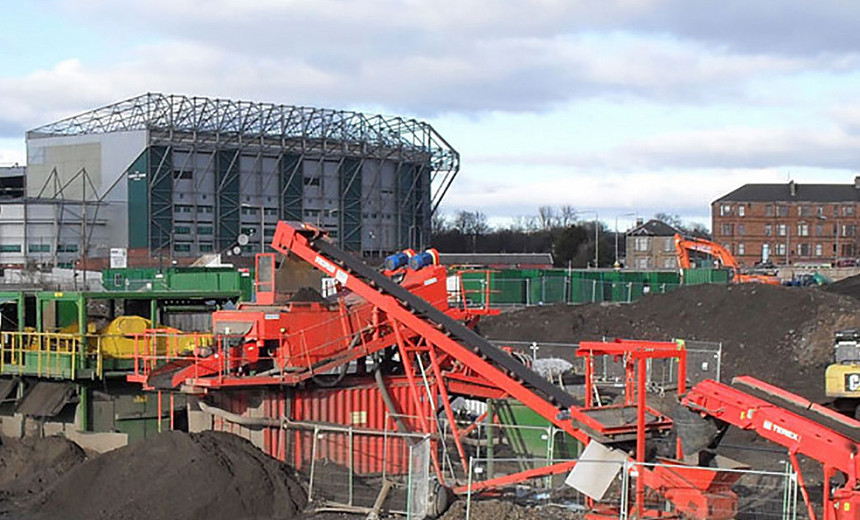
(842, 378)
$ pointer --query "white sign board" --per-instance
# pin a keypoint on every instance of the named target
(118, 258)
(595, 470)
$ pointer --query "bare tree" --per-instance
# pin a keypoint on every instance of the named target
(547, 218)
(566, 215)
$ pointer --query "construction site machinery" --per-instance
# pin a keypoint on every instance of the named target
(842, 378)
(793, 422)
(683, 246)
(441, 356)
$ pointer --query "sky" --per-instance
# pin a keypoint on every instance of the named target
(616, 107)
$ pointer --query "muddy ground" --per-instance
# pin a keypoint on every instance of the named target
(211, 476)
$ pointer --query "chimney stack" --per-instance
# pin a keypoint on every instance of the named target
(857, 182)
(792, 188)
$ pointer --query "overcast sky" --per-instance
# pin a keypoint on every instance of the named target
(618, 106)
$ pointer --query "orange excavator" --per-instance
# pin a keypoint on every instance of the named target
(683, 246)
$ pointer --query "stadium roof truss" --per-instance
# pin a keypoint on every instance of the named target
(217, 123)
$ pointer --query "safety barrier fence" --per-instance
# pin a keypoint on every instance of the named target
(700, 493)
(557, 289)
(704, 360)
(347, 468)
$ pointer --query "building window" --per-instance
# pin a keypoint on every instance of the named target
(782, 211)
(250, 211)
(67, 248)
(768, 210)
(741, 210)
(205, 230)
(182, 230)
(848, 250)
(641, 244)
(820, 211)
(249, 231)
(848, 230)
(38, 248)
(668, 244)
(819, 230)
(819, 250)
(780, 249)
(802, 229)
(10, 248)
(206, 248)
(312, 181)
(768, 230)
(742, 250)
(781, 229)
(803, 249)
(804, 211)
(669, 263)
(271, 212)
(742, 229)
(847, 211)
(182, 247)
(727, 229)
(183, 174)
(727, 247)
(642, 263)
(725, 210)
(204, 209)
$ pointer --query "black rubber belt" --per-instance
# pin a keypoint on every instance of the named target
(453, 328)
(828, 422)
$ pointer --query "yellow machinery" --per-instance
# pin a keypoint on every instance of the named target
(117, 339)
(842, 378)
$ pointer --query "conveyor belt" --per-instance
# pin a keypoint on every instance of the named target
(806, 409)
(451, 327)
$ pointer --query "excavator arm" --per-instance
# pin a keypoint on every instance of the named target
(683, 246)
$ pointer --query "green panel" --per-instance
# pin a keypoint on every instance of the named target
(138, 202)
(292, 187)
(227, 187)
(529, 434)
(161, 197)
(350, 206)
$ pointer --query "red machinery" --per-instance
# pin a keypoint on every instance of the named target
(721, 254)
(801, 426)
(408, 311)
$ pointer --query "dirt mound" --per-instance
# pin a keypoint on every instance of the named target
(847, 286)
(31, 465)
(176, 475)
(498, 509)
(783, 335)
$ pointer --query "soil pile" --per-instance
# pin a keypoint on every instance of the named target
(848, 286)
(211, 476)
(497, 510)
(782, 335)
(31, 465)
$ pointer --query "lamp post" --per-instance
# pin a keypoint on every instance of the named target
(617, 264)
(596, 237)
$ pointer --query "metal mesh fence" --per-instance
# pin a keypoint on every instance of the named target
(703, 362)
(560, 289)
(685, 492)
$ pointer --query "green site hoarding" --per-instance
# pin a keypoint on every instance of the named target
(548, 286)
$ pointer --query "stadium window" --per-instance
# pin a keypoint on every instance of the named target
(10, 248)
(206, 248)
(183, 175)
(182, 247)
(182, 230)
(205, 230)
(38, 248)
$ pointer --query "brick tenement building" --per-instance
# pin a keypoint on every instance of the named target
(789, 223)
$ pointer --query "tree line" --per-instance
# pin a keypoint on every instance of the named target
(562, 231)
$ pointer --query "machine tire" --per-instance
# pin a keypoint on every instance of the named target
(857, 412)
